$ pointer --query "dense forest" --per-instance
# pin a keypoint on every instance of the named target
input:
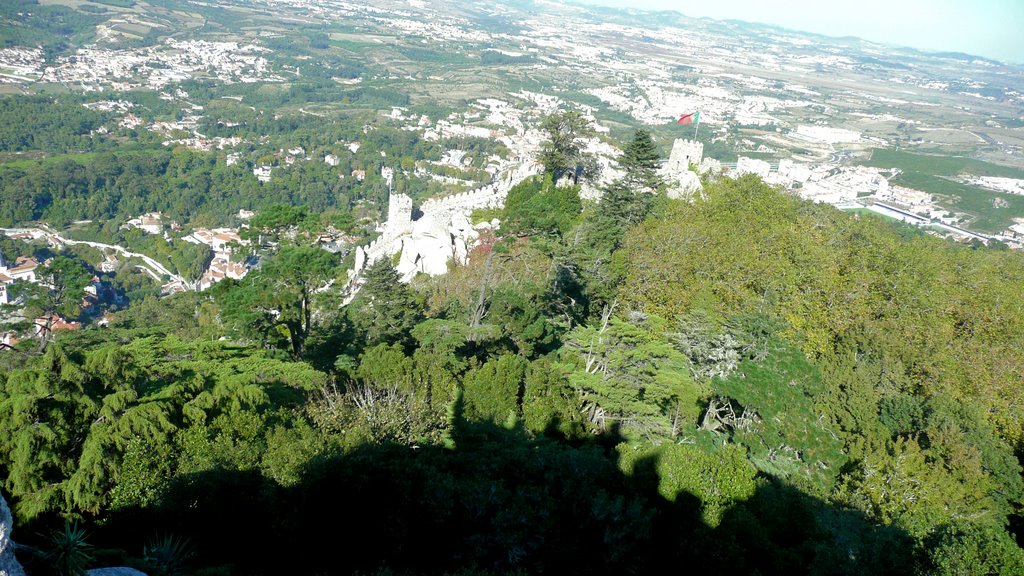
(75, 173)
(743, 382)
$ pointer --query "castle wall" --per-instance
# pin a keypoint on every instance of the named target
(451, 212)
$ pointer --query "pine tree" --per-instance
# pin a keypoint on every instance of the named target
(562, 154)
(386, 310)
(640, 160)
(621, 208)
(492, 391)
(59, 290)
(278, 299)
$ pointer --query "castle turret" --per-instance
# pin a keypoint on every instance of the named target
(682, 182)
(399, 215)
(684, 153)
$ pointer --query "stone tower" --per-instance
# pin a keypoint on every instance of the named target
(682, 182)
(399, 213)
(684, 153)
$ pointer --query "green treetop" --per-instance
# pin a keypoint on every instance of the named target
(275, 302)
(562, 153)
(386, 310)
(640, 159)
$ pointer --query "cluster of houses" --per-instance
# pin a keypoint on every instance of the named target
(24, 269)
(169, 62)
(223, 242)
(263, 172)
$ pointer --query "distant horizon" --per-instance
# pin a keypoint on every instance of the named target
(988, 29)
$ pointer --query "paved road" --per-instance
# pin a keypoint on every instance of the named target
(156, 268)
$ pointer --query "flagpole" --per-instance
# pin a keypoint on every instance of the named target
(695, 128)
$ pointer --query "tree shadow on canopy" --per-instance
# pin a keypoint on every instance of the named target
(500, 501)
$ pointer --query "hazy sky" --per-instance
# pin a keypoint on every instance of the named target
(992, 28)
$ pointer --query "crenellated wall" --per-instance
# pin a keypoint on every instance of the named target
(400, 231)
(684, 153)
(399, 212)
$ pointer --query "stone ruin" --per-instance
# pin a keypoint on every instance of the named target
(443, 232)
(683, 182)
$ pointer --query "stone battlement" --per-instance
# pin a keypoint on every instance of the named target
(684, 154)
(445, 218)
(399, 210)
(488, 196)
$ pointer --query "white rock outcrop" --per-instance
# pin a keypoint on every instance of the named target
(427, 249)
(688, 185)
(8, 563)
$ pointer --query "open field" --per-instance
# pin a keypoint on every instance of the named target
(935, 175)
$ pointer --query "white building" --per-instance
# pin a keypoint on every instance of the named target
(790, 171)
(262, 173)
(746, 165)
(109, 263)
(23, 269)
(220, 268)
(332, 160)
(151, 223)
(5, 281)
(220, 239)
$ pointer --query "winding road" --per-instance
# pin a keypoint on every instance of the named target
(155, 268)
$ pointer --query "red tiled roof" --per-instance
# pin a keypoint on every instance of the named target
(56, 323)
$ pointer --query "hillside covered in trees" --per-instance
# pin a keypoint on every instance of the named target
(741, 382)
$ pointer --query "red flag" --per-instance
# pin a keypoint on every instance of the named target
(691, 118)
